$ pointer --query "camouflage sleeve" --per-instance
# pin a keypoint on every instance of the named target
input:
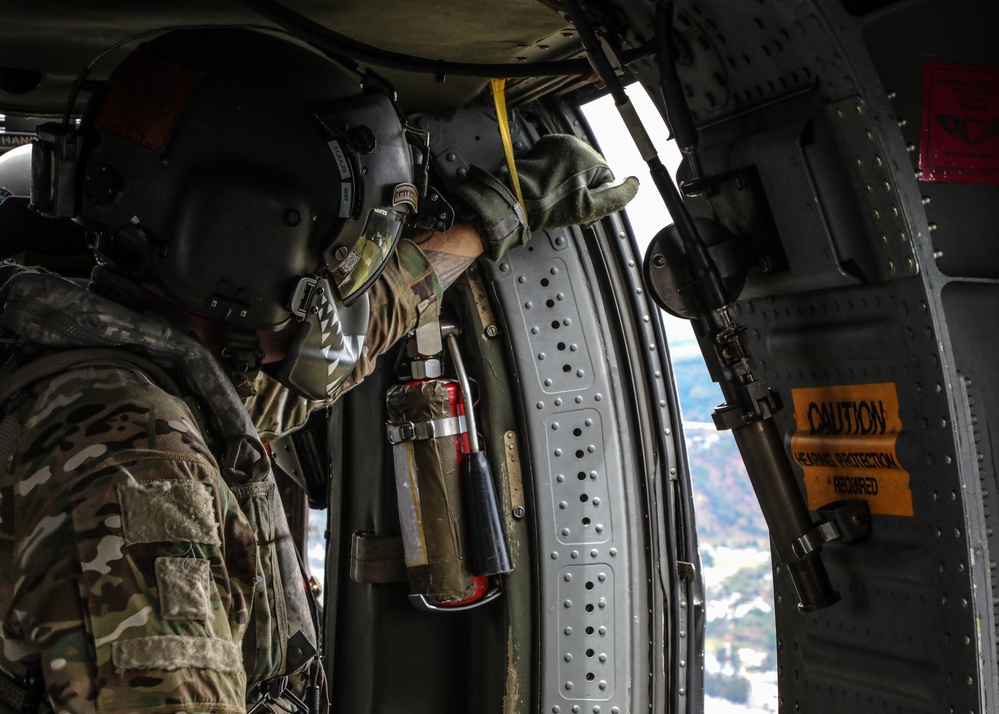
(406, 282)
(127, 571)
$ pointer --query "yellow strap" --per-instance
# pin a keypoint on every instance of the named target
(499, 97)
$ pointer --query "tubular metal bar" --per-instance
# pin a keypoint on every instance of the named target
(678, 113)
(784, 510)
(762, 451)
(703, 270)
(466, 394)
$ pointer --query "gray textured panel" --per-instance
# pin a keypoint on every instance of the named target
(960, 32)
(587, 669)
(768, 51)
(580, 492)
(588, 560)
(551, 317)
(865, 651)
(870, 299)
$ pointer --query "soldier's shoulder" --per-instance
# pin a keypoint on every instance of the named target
(106, 411)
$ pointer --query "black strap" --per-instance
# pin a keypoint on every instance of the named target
(27, 697)
(57, 362)
(377, 559)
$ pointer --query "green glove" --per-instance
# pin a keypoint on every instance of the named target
(565, 182)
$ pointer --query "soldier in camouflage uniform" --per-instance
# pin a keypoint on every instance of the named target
(129, 562)
(142, 566)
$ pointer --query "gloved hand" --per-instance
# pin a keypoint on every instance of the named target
(565, 182)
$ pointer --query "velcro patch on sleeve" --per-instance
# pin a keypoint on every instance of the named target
(168, 511)
(185, 588)
(168, 653)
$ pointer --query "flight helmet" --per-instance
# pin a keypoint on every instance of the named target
(253, 180)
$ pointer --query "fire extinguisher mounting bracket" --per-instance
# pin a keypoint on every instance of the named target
(418, 431)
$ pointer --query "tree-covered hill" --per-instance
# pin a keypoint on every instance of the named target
(725, 505)
(726, 509)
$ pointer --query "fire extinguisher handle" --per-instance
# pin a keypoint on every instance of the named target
(489, 553)
(466, 392)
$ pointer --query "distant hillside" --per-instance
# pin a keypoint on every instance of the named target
(724, 502)
(740, 616)
(725, 506)
(698, 394)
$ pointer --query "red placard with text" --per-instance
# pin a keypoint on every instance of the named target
(960, 123)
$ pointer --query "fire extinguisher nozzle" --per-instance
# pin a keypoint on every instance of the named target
(488, 554)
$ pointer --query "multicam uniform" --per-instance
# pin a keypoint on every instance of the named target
(128, 566)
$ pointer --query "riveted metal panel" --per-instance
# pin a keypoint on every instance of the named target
(594, 643)
(892, 282)
(866, 650)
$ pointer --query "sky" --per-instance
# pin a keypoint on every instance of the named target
(647, 212)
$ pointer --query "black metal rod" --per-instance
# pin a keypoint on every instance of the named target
(784, 510)
(706, 278)
(759, 443)
(681, 121)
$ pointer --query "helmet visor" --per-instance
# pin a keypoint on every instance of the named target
(366, 260)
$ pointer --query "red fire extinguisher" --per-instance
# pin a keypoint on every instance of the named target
(439, 487)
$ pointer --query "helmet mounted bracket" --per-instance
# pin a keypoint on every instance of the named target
(55, 161)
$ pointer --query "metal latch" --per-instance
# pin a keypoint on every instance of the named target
(844, 521)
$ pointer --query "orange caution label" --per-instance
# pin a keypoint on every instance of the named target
(147, 97)
(845, 443)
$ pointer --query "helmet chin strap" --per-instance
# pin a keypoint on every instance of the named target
(242, 355)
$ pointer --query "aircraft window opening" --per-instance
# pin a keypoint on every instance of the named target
(740, 563)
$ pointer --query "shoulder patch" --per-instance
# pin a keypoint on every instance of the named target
(168, 511)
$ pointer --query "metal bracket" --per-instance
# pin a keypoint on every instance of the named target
(739, 202)
(845, 521)
(813, 541)
(420, 602)
(852, 517)
(419, 431)
(436, 213)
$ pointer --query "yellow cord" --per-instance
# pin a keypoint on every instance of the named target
(499, 97)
